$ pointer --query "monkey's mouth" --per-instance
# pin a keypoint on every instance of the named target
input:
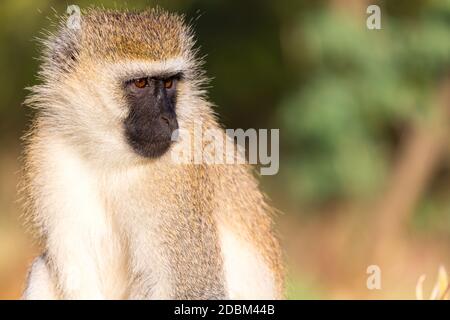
(150, 149)
(151, 139)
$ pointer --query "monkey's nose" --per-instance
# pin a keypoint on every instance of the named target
(170, 121)
(166, 120)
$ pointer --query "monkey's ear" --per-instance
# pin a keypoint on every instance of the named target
(63, 47)
(66, 50)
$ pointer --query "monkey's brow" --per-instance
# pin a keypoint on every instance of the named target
(159, 75)
(167, 75)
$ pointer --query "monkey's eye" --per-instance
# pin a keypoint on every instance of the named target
(168, 83)
(141, 83)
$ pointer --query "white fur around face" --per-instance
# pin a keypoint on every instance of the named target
(95, 105)
(128, 70)
(247, 276)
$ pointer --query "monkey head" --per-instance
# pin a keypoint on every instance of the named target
(121, 83)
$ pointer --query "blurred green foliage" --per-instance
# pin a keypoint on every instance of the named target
(362, 85)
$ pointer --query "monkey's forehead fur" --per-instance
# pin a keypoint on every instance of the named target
(153, 34)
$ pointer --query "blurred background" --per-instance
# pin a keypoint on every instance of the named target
(364, 118)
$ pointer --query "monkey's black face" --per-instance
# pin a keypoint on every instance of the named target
(151, 119)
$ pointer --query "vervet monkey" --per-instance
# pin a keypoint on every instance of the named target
(118, 219)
